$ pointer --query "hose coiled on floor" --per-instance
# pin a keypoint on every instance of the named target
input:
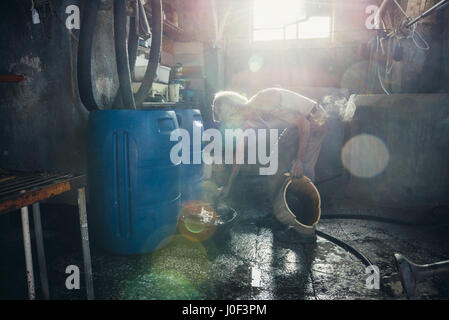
(346, 247)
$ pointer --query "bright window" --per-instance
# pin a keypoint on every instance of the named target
(287, 20)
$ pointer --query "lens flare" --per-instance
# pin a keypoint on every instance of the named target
(194, 224)
(181, 262)
(159, 286)
(365, 156)
(255, 63)
(197, 220)
(160, 236)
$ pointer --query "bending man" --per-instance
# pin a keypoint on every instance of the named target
(302, 121)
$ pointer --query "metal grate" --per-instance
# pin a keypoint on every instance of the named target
(40, 3)
(16, 183)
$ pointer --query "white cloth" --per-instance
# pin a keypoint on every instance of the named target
(293, 101)
(274, 100)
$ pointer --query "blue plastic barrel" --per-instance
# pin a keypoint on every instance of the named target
(192, 174)
(134, 192)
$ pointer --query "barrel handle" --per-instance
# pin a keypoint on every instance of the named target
(165, 130)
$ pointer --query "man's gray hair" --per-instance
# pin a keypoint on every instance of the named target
(227, 98)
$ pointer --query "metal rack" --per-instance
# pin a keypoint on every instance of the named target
(18, 191)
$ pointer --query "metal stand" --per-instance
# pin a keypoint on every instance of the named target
(85, 242)
(20, 190)
(28, 253)
(40, 250)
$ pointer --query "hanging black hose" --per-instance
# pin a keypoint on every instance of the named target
(121, 54)
(126, 52)
(121, 46)
(84, 69)
(155, 53)
(133, 44)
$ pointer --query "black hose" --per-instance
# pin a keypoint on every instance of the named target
(153, 61)
(385, 220)
(346, 247)
(133, 44)
(155, 53)
(359, 255)
(121, 54)
(84, 67)
(371, 218)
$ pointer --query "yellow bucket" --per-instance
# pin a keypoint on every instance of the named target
(298, 204)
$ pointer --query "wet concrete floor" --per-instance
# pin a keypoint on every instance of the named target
(256, 260)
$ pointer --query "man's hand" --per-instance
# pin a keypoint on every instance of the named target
(223, 192)
(297, 169)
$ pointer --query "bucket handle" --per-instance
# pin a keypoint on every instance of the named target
(284, 191)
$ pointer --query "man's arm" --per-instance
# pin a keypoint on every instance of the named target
(228, 186)
(271, 101)
(235, 167)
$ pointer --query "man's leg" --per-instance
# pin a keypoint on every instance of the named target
(313, 151)
(287, 152)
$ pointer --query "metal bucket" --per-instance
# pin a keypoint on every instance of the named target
(201, 221)
(298, 204)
